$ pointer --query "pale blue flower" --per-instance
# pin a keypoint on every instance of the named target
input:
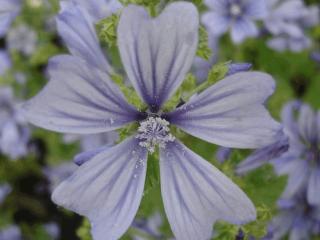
(14, 133)
(23, 39)
(81, 98)
(296, 219)
(237, 15)
(9, 9)
(302, 161)
(287, 21)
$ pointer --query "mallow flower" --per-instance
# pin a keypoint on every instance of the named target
(302, 161)
(297, 153)
(156, 54)
(23, 39)
(296, 219)
(14, 132)
(287, 21)
(237, 15)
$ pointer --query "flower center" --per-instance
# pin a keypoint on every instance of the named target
(154, 131)
(235, 10)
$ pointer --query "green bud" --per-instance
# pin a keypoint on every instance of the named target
(204, 51)
(217, 72)
(107, 29)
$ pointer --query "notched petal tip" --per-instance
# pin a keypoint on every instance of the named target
(157, 53)
(107, 189)
(196, 194)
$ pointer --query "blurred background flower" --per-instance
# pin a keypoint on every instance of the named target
(280, 37)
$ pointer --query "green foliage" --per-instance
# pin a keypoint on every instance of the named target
(153, 173)
(216, 73)
(203, 51)
(188, 85)
(127, 131)
(83, 231)
(43, 53)
(107, 29)
(130, 93)
(145, 3)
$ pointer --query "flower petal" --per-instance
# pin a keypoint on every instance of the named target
(77, 30)
(256, 9)
(313, 192)
(97, 9)
(298, 175)
(79, 99)
(157, 53)
(231, 113)
(9, 9)
(107, 189)
(243, 28)
(281, 224)
(307, 124)
(238, 67)
(278, 43)
(83, 157)
(196, 194)
(288, 118)
(215, 22)
(300, 229)
(264, 155)
(217, 5)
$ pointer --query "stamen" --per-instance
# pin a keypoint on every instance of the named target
(235, 10)
(154, 131)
